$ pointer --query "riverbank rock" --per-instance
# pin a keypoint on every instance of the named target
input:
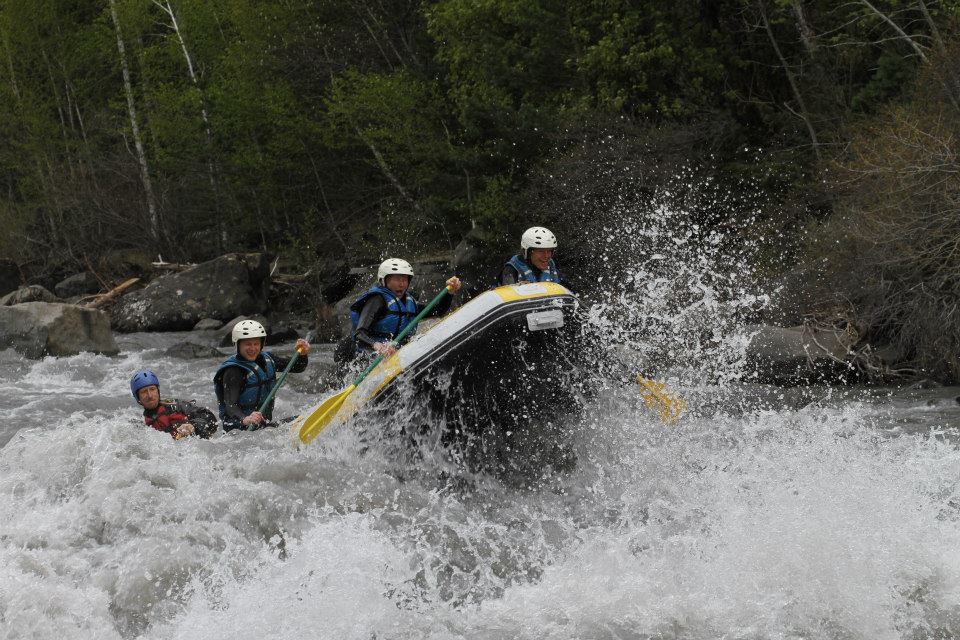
(281, 333)
(191, 351)
(223, 288)
(801, 354)
(38, 329)
(32, 293)
(77, 285)
(339, 281)
(208, 324)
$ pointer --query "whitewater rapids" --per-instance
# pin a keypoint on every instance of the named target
(763, 514)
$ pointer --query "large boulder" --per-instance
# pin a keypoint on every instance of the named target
(223, 288)
(77, 285)
(208, 324)
(339, 281)
(32, 293)
(37, 329)
(192, 350)
(791, 355)
(9, 276)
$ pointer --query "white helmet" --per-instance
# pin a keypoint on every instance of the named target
(247, 329)
(392, 266)
(537, 238)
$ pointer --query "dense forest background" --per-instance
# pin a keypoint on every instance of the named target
(340, 131)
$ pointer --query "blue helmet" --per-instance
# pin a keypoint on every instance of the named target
(141, 379)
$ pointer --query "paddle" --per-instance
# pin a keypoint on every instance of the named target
(669, 407)
(322, 415)
(283, 376)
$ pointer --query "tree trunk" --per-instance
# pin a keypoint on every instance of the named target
(13, 74)
(387, 171)
(153, 212)
(212, 172)
(326, 206)
(105, 298)
(900, 32)
(951, 82)
(804, 114)
(807, 36)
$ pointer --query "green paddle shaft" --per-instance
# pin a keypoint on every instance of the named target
(273, 392)
(317, 421)
(403, 334)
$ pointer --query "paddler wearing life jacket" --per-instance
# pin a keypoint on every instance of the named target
(179, 418)
(386, 309)
(535, 262)
(245, 379)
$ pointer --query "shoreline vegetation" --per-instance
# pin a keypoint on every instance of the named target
(818, 138)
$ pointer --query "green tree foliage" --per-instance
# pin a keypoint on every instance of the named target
(888, 260)
(352, 128)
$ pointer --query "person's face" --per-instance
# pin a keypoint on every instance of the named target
(540, 258)
(149, 397)
(249, 348)
(397, 284)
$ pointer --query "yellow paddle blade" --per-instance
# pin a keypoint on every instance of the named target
(655, 396)
(320, 417)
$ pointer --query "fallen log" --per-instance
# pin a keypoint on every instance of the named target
(105, 298)
(175, 267)
(290, 278)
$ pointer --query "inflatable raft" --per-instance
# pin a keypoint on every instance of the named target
(491, 382)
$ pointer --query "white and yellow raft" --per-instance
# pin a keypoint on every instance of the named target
(502, 360)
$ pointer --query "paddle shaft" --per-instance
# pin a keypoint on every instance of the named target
(403, 334)
(321, 416)
(273, 392)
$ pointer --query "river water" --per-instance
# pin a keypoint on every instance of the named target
(764, 513)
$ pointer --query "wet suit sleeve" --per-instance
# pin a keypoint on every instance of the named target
(233, 381)
(373, 308)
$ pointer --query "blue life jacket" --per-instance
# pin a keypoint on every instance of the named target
(551, 274)
(398, 316)
(256, 387)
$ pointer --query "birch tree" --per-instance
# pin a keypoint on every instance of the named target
(153, 213)
(167, 7)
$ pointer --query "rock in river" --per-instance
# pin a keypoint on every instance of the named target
(37, 329)
(222, 289)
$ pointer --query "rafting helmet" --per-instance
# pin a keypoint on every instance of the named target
(393, 266)
(247, 329)
(141, 379)
(537, 238)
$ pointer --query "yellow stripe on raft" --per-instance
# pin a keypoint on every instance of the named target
(514, 292)
(388, 370)
(344, 405)
(392, 367)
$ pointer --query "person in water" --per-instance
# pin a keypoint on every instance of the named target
(179, 418)
(535, 262)
(386, 309)
(245, 379)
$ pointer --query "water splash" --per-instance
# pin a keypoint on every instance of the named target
(762, 514)
(809, 522)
